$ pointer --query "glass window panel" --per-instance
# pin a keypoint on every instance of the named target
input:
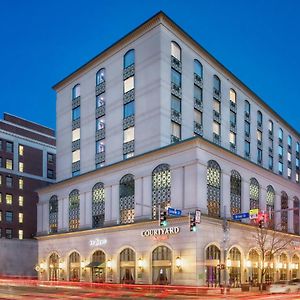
(8, 199)
(259, 155)
(280, 134)
(128, 109)
(216, 128)
(198, 116)
(75, 156)
(198, 69)
(217, 106)
(232, 138)
(247, 107)
(9, 147)
(297, 162)
(247, 148)
(176, 78)
(74, 210)
(129, 59)
(128, 84)
(289, 172)
(100, 147)
(128, 134)
(76, 91)
(100, 123)
(232, 95)
(100, 100)
(259, 117)
(259, 135)
(21, 200)
(270, 162)
(280, 150)
(233, 118)
(213, 176)
(21, 167)
(247, 127)
(289, 140)
(127, 203)
(175, 103)
(176, 129)
(76, 134)
(9, 164)
(289, 156)
(100, 76)
(217, 83)
(280, 167)
(270, 126)
(76, 113)
(98, 205)
(175, 51)
(197, 92)
(298, 147)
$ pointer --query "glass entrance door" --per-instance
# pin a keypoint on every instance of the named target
(161, 275)
(98, 275)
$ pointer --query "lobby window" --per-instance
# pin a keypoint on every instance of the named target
(161, 189)
(247, 108)
(198, 68)
(232, 96)
(21, 150)
(9, 181)
(271, 127)
(76, 134)
(21, 201)
(247, 128)
(254, 191)
(75, 156)
(74, 210)
(9, 147)
(8, 233)
(21, 183)
(176, 130)
(9, 164)
(128, 84)
(280, 135)
(100, 76)
(127, 202)
(176, 51)
(50, 157)
(76, 113)
(76, 91)
(98, 205)
(235, 192)
(21, 167)
(176, 78)
(100, 123)
(259, 156)
(100, 100)
(128, 109)
(198, 116)
(21, 218)
(280, 168)
(129, 134)
(259, 119)
(213, 177)
(232, 139)
(270, 162)
(270, 199)
(100, 147)
(216, 85)
(9, 216)
(247, 149)
(53, 214)
(8, 199)
(129, 59)
(21, 234)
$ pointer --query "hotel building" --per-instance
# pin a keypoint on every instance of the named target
(155, 121)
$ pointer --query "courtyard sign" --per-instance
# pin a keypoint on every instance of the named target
(160, 231)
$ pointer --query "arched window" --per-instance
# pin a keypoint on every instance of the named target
(127, 266)
(53, 214)
(213, 188)
(98, 205)
(98, 266)
(235, 192)
(127, 199)
(129, 59)
(74, 266)
(54, 267)
(234, 266)
(270, 202)
(283, 266)
(100, 76)
(295, 266)
(253, 266)
(232, 96)
(259, 118)
(254, 193)
(198, 68)
(161, 265)
(161, 188)
(290, 141)
(217, 84)
(176, 51)
(271, 126)
(296, 215)
(74, 211)
(284, 212)
(212, 260)
(76, 91)
(269, 261)
(280, 134)
(247, 108)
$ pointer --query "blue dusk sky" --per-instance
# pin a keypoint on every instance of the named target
(41, 42)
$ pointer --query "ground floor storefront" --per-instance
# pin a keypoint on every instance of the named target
(144, 253)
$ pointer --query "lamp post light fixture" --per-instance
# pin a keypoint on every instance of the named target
(109, 264)
(141, 264)
(178, 263)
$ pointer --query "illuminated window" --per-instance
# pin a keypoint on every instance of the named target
(9, 164)
(270, 199)
(217, 106)
(176, 51)
(21, 200)
(297, 177)
(259, 135)
(127, 199)
(8, 199)
(176, 130)
(0, 197)
(232, 95)
(0, 179)
(213, 176)
(21, 235)
(76, 134)
(289, 156)
(232, 138)
(21, 167)
(289, 172)
(21, 218)
(284, 212)
(270, 126)
(216, 128)
(21, 183)
(254, 191)
(75, 156)
(128, 84)
(128, 134)
(74, 210)
(21, 150)
(98, 205)
(53, 214)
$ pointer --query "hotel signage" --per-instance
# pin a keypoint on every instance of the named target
(98, 242)
(160, 231)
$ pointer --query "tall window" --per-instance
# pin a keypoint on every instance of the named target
(270, 201)
(53, 214)
(247, 108)
(98, 205)
(280, 134)
(129, 59)
(271, 127)
(176, 51)
(127, 199)
(235, 192)
(198, 68)
(212, 260)
(254, 191)
(76, 91)
(232, 96)
(100, 76)
(296, 215)
(74, 210)
(127, 266)
(74, 266)
(217, 85)
(284, 212)
(259, 119)
(161, 189)
(213, 188)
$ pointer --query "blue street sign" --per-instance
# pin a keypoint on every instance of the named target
(240, 216)
(174, 212)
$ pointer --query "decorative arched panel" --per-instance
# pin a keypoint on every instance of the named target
(213, 188)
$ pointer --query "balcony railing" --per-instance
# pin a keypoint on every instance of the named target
(176, 116)
(176, 90)
(198, 128)
(198, 80)
(176, 64)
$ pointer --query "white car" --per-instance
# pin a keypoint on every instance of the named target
(285, 286)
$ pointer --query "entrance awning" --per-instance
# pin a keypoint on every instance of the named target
(95, 264)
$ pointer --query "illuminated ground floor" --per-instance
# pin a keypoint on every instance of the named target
(143, 253)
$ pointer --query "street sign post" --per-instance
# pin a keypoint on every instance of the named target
(253, 213)
(174, 212)
(198, 216)
(240, 216)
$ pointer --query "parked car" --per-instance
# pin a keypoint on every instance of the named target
(285, 286)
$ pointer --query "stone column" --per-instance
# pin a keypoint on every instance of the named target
(108, 204)
(60, 214)
(177, 187)
(88, 210)
(201, 187)
(263, 199)
(245, 198)
(46, 217)
(82, 223)
(115, 215)
(225, 195)
(190, 187)
(65, 214)
(277, 207)
(138, 198)
(147, 197)
(290, 215)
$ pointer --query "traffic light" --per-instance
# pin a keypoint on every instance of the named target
(163, 219)
(261, 223)
(193, 224)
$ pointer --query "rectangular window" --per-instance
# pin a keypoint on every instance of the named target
(50, 157)
(100, 123)
(176, 130)
(9, 147)
(232, 138)
(21, 167)
(21, 216)
(297, 177)
(175, 104)
(9, 181)
(270, 162)
(198, 116)
(280, 168)
(247, 128)
(100, 147)
(197, 93)
(232, 118)
(175, 51)
(280, 151)
(8, 233)
(176, 78)
(259, 135)
(216, 128)
(21, 150)
(128, 84)
(100, 100)
(289, 172)
(289, 141)
(9, 164)
(271, 144)
(8, 216)
(289, 156)
(75, 134)
(21, 183)
(75, 156)
(270, 126)
(128, 155)
(247, 148)
(21, 234)
(21, 201)
(129, 134)
(8, 199)
(76, 113)
(217, 106)
(50, 174)
(128, 109)
(259, 156)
